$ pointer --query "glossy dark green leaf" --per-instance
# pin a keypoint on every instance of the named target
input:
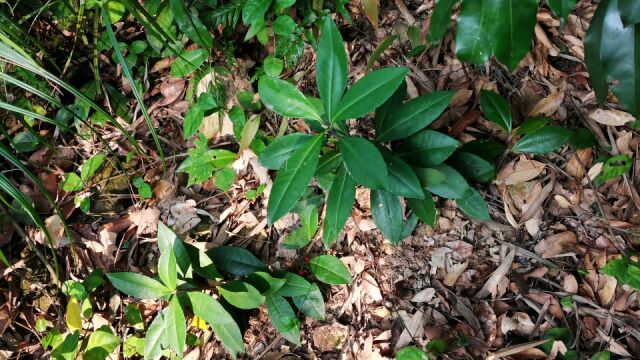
(138, 285)
(190, 24)
(224, 325)
(582, 138)
(278, 152)
(331, 67)
(485, 148)
(303, 235)
(364, 162)
(284, 318)
(295, 285)
(427, 148)
(369, 92)
(188, 62)
(387, 214)
(201, 263)
(429, 176)
(265, 283)
(283, 98)
(454, 187)
(496, 109)
(385, 112)
(403, 180)
(339, 203)
(293, 178)
(532, 125)
(330, 270)
(329, 161)
(473, 167)
(176, 329)
(562, 8)
(241, 295)
(503, 28)
(425, 208)
(311, 303)
(472, 204)
(440, 20)
(414, 115)
(192, 120)
(543, 140)
(629, 11)
(611, 56)
(235, 260)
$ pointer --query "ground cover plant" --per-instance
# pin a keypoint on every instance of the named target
(273, 178)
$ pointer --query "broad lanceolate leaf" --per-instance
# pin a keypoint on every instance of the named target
(454, 187)
(155, 337)
(241, 295)
(473, 167)
(369, 92)
(101, 344)
(284, 318)
(414, 115)
(629, 11)
(190, 24)
(425, 209)
(385, 112)
(295, 285)
(265, 283)
(440, 20)
(279, 151)
(283, 98)
(167, 269)
(427, 148)
(611, 55)
(403, 180)
(293, 179)
(138, 285)
(188, 62)
(387, 214)
(176, 329)
(330, 270)
(473, 204)
(562, 8)
(496, 109)
(364, 162)
(495, 27)
(331, 67)
(543, 140)
(340, 200)
(235, 260)
(224, 325)
(311, 303)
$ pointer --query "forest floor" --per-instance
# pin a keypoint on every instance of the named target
(487, 288)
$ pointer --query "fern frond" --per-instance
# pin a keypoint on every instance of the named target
(228, 14)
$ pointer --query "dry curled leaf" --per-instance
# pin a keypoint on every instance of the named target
(549, 105)
(611, 117)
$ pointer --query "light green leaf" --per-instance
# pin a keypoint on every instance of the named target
(369, 92)
(284, 318)
(276, 154)
(292, 180)
(411, 353)
(176, 328)
(190, 24)
(283, 98)
(241, 295)
(330, 270)
(364, 162)
(414, 115)
(331, 67)
(387, 214)
(167, 269)
(543, 140)
(224, 326)
(71, 182)
(155, 337)
(138, 285)
(427, 148)
(283, 25)
(188, 62)
(133, 346)
(101, 344)
(273, 66)
(91, 166)
(340, 200)
(496, 109)
(472, 204)
(454, 187)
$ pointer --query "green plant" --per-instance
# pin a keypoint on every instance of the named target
(184, 270)
(626, 270)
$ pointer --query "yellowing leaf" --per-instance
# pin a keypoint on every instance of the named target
(371, 10)
(74, 321)
(198, 323)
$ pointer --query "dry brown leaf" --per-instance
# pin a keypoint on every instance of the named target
(557, 244)
(454, 272)
(570, 284)
(371, 11)
(520, 323)
(549, 105)
(611, 117)
(424, 295)
(520, 171)
(497, 276)
(578, 162)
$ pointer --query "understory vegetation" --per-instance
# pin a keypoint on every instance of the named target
(179, 178)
